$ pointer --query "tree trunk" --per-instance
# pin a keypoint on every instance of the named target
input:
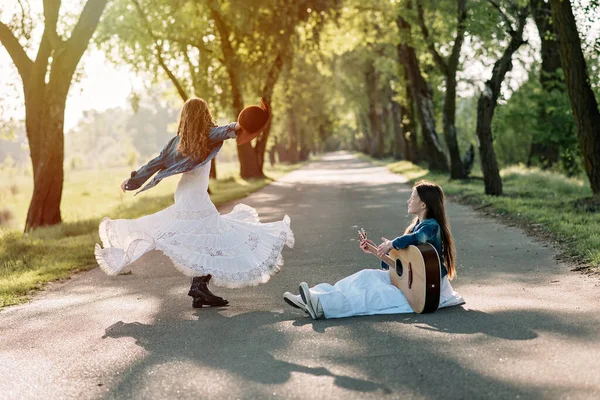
(409, 128)
(448, 70)
(46, 141)
(423, 98)
(376, 146)
(489, 165)
(425, 111)
(249, 167)
(400, 142)
(457, 170)
(486, 105)
(363, 125)
(386, 122)
(293, 145)
(55, 62)
(547, 153)
(270, 82)
(583, 102)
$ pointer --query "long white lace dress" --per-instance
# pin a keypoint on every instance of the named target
(235, 248)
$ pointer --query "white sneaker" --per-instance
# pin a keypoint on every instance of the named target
(313, 304)
(295, 301)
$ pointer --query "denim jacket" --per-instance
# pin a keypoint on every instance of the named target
(171, 162)
(426, 231)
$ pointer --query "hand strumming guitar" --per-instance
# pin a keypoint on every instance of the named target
(384, 247)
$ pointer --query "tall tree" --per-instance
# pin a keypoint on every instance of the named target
(488, 99)
(448, 67)
(375, 110)
(422, 95)
(547, 151)
(46, 81)
(407, 107)
(583, 101)
(400, 147)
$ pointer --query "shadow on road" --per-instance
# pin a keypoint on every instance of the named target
(239, 345)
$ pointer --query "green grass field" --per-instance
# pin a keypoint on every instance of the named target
(546, 204)
(28, 261)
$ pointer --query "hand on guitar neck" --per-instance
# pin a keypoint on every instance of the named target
(369, 247)
(382, 249)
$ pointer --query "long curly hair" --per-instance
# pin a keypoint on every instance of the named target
(195, 123)
(433, 196)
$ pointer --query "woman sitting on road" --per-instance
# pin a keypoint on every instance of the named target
(370, 291)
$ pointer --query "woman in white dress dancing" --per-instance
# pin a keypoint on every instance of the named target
(233, 249)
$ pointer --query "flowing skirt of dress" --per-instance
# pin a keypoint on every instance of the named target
(370, 292)
(235, 248)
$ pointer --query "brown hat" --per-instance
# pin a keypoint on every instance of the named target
(253, 120)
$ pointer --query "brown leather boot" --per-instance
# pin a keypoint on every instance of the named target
(204, 286)
(202, 296)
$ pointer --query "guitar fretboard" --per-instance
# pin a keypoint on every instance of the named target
(386, 259)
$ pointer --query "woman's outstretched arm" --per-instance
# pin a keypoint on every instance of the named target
(137, 178)
(224, 132)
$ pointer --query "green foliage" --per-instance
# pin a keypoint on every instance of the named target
(533, 115)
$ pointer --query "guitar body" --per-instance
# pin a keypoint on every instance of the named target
(417, 273)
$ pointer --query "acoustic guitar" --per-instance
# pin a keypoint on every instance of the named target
(415, 270)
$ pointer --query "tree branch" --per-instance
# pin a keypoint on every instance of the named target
(51, 8)
(180, 89)
(195, 43)
(26, 30)
(437, 58)
(193, 73)
(16, 52)
(460, 33)
(510, 29)
(224, 32)
(82, 34)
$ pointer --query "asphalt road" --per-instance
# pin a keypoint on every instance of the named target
(530, 327)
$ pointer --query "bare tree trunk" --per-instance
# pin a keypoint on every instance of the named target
(423, 98)
(583, 102)
(486, 106)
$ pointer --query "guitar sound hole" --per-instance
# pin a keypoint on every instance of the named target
(399, 268)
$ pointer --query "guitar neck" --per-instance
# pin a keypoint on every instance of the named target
(386, 259)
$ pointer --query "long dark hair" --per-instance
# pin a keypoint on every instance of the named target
(433, 196)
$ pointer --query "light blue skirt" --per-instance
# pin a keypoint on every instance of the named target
(370, 292)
